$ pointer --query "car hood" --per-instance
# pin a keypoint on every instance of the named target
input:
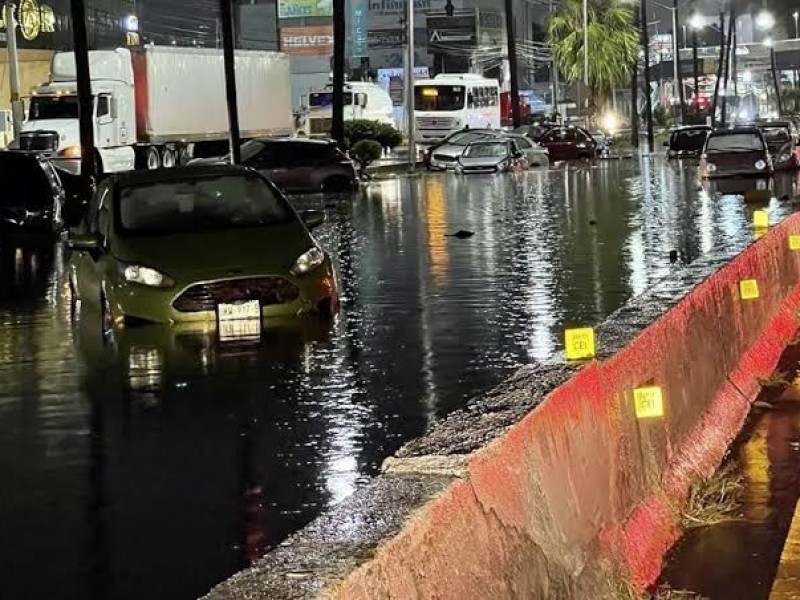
(481, 161)
(450, 150)
(218, 254)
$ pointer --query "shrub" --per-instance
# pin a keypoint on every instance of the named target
(385, 134)
(365, 152)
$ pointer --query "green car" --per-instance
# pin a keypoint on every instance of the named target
(198, 245)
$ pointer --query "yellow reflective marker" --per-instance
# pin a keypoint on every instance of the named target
(579, 343)
(649, 402)
(761, 219)
(794, 242)
(760, 233)
(748, 289)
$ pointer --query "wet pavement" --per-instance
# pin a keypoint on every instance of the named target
(157, 463)
(738, 559)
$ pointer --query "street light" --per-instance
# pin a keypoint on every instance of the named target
(696, 22)
(765, 20)
(795, 14)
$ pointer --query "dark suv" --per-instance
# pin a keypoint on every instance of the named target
(33, 198)
(298, 165)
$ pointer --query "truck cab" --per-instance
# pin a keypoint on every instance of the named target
(52, 128)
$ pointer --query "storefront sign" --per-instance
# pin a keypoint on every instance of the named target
(33, 19)
(360, 28)
(307, 40)
(291, 9)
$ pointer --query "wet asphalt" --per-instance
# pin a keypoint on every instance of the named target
(159, 462)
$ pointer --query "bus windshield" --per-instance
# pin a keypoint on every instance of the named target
(439, 97)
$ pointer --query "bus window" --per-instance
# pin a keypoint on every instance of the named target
(440, 97)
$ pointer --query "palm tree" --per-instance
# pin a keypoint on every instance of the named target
(613, 45)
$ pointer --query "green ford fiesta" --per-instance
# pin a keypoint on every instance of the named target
(200, 244)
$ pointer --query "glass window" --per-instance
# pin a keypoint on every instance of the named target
(487, 150)
(53, 107)
(776, 137)
(523, 143)
(463, 138)
(325, 99)
(735, 142)
(688, 139)
(439, 97)
(103, 105)
(198, 205)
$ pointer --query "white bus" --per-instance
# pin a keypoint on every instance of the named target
(362, 100)
(450, 102)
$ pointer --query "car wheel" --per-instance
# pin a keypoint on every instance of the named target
(337, 184)
(168, 159)
(153, 158)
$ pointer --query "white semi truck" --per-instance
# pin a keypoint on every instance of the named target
(151, 106)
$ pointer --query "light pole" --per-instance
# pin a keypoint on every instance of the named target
(795, 14)
(409, 79)
(765, 21)
(676, 61)
(696, 23)
(13, 68)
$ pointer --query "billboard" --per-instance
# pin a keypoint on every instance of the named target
(291, 9)
(317, 40)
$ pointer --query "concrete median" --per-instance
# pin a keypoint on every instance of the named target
(560, 491)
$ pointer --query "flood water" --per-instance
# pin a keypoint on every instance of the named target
(158, 463)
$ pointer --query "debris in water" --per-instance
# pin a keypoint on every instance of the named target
(673, 256)
(461, 234)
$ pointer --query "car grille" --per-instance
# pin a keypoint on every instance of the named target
(321, 126)
(39, 141)
(206, 296)
(434, 122)
(444, 158)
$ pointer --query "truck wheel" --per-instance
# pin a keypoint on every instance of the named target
(153, 158)
(168, 158)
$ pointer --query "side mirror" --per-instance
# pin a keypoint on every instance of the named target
(87, 242)
(312, 218)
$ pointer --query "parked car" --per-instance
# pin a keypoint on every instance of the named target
(781, 139)
(687, 142)
(444, 155)
(534, 131)
(499, 155)
(198, 244)
(535, 154)
(32, 198)
(735, 152)
(297, 165)
(569, 143)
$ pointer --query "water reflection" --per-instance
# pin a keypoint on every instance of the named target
(158, 462)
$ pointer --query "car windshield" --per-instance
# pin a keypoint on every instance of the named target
(464, 138)
(25, 183)
(439, 97)
(776, 137)
(325, 99)
(53, 107)
(197, 205)
(688, 140)
(493, 150)
(734, 142)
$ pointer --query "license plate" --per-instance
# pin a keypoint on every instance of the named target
(240, 311)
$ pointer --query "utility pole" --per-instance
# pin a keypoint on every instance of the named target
(635, 91)
(339, 33)
(409, 78)
(553, 71)
(84, 85)
(731, 21)
(13, 68)
(586, 55)
(774, 70)
(512, 64)
(676, 60)
(695, 73)
(229, 60)
(720, 63)
(648, 106)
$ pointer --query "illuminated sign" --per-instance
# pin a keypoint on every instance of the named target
(33, 19)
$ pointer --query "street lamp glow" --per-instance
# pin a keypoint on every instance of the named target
(768, 42)
(765, 20)
(796, 14)
(696, 21)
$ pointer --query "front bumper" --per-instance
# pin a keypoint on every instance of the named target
(157, 305)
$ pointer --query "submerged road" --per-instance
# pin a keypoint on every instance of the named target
(158, 463)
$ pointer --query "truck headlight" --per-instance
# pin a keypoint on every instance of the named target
(711, 167)
(308, 261)
(761, 165)
(145, 276)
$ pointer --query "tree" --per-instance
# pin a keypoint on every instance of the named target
(613, 45)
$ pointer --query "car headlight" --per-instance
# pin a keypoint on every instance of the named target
(761, 185)
(146, 276)
(308, 261)
(761, 165)
(711, 167)
(784, 157)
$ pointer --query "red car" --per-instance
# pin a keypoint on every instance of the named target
(569, 143)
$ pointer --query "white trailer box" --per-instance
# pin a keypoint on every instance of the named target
(180, 94)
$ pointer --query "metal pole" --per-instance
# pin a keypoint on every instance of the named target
(553, 71)
(732, 19)
(226, 7)
(339, 33)
(84, 86)
(512, 64)
(586, 55)
(13, 69)
(676, 56)
(411, 134)
(734, 61)
(648, 105)
(720, 62)
(696, 73)
(635, 92)
(775, 79)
